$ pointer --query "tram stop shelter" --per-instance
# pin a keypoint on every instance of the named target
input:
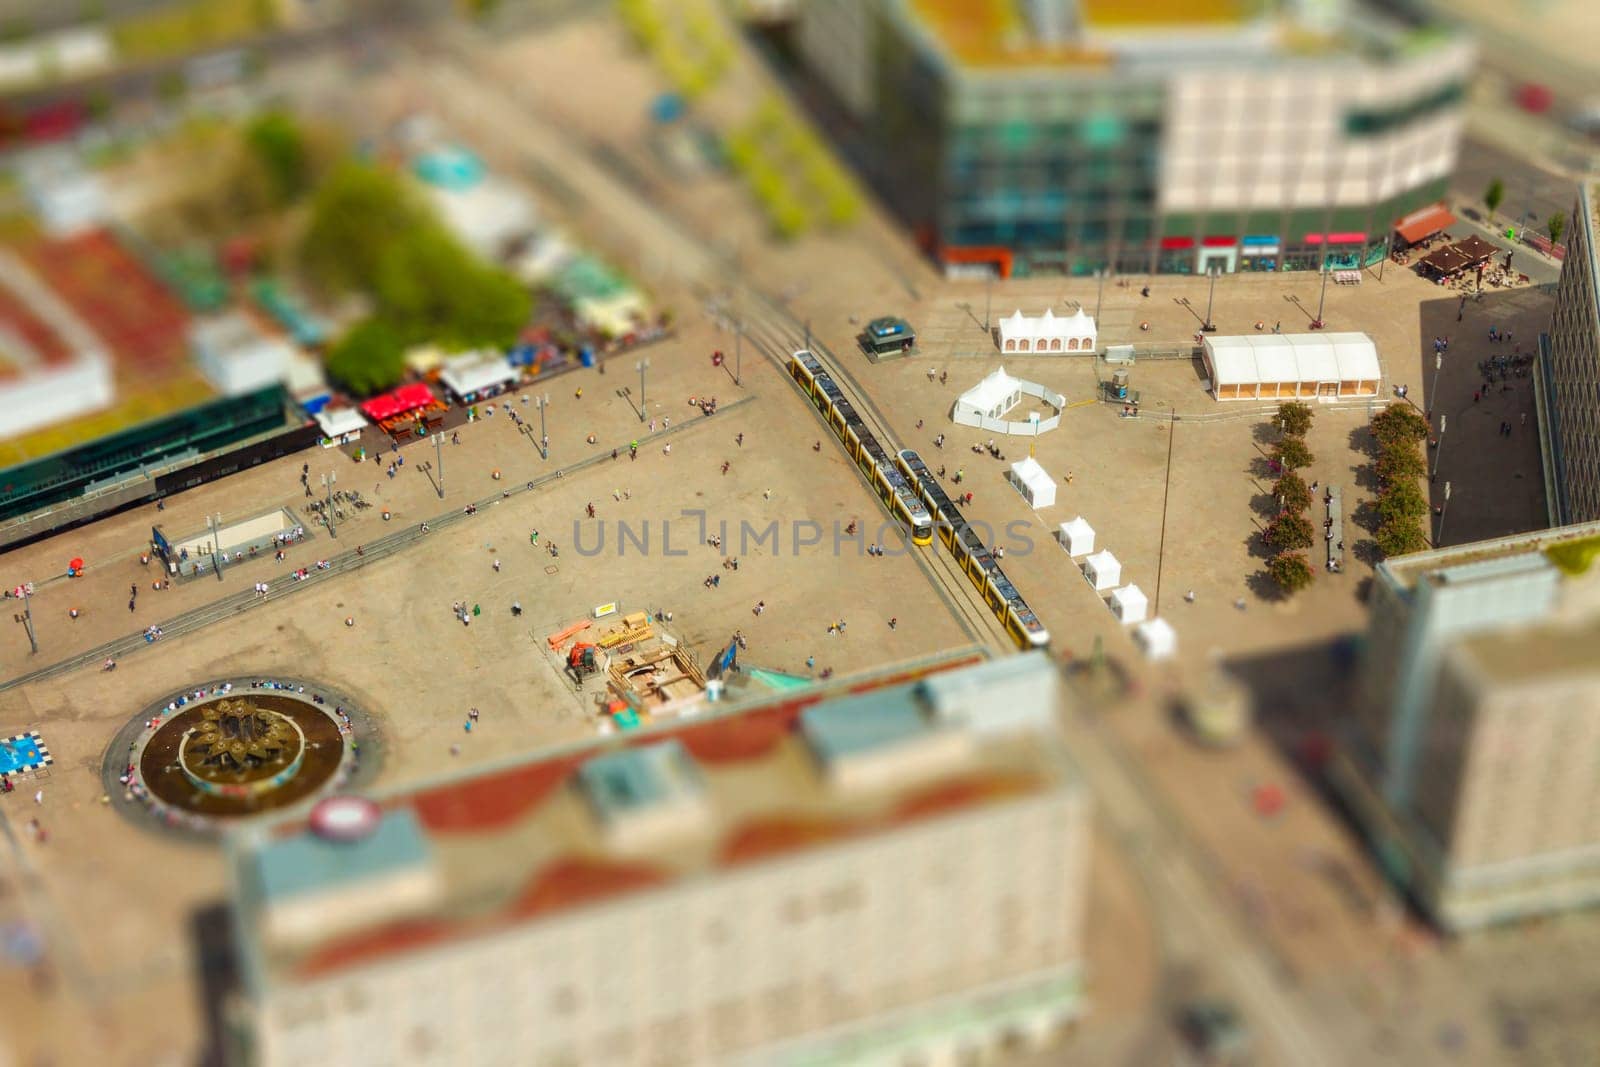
(1077, 537)
(1277, 366)
(1103, 570)
(1129, 604)
(1157, 638)
(1033, 482)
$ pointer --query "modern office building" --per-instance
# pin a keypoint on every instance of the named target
(1568, 377)
(1021, 136)
(1471, 761)
(892, 872)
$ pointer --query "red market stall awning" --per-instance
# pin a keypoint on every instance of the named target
(1424, 223)
(398, 402)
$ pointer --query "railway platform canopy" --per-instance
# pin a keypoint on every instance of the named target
(1326, 366)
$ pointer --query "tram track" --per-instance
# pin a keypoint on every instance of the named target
(776, 343)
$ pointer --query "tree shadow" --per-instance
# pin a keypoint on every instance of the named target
(1366, 550)
(1265, 433)
(1365, 515)
(1265, 505)
(1261, 467)
(1263, 585)
(1363, 442)
(1256, 545)
(1366, 477)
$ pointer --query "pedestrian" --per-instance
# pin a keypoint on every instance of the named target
(38, 797)
(1477, 394)
(130, 605)
(1524, 418)
(767, 494)
(652, 425)
(497, 566)
(667, 451)
(739, 439)
(894, 622)
(811, 662)
(716, 581)
(944, 376)
(725, 465)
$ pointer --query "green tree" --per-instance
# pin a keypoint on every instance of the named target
(1292, 493)
(278, 146)
(1402, 500)
(368, 358)
(430, 287)
(1557, 225)
(1400, 462)
(1399, 422)
(356, 216)
(1289, 531)
(1291, 570)
(1400, 537)
(1292, 454)
(1493, 196)
(1293, 418)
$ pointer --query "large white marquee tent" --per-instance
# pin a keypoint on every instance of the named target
(1279, 366)
(1048, 332)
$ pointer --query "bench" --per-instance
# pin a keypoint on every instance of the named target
(1333, 536)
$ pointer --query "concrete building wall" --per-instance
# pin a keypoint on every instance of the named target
(796, 953)
(1573, 370)
(836, 40)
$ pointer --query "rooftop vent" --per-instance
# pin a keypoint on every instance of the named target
(644, 793)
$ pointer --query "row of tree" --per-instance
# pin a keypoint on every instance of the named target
(1290, 531)
(1400, 464)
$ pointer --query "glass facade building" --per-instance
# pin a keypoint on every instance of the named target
(1132, 155)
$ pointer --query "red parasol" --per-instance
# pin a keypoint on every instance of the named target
(76, 563)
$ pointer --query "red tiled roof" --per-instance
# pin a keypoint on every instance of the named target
(492, 801)
(577, 880)
(375, 943)
(961, 793)
(761, 838)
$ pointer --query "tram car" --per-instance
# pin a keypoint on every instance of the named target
(902, 500)
(974, 558)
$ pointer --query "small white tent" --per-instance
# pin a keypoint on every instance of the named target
(1129, 604)
(1102, 570)
(1157, 638)
(1077, 537)
(1033, 482)
(1048, 332)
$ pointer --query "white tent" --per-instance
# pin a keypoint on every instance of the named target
(1129, 604)
(1278, 366)
(1033, 482)
(1102, 570)
(989, 399)
(1048, 333)
(468, 375)
(340, 426)
(1077, 537)
(1157, 638)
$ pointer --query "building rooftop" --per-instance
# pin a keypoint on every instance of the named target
(1516, 655)
(594, 821)
(1568, 547)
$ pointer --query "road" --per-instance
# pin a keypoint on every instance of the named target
(1199, 929)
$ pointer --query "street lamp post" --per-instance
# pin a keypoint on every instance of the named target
(1438, 536)
(542, 402)
(1433, 390)
(1438, 448)
(1208, 326)
(328, 481)
(438, 454)
(1100, 292)
(641, 366)
(27, 619)
(215, 522)
(738, 350)
(1317, 325)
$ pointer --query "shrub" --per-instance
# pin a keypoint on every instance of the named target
(1292, 493)
(1291, 570)
(1290, 530)
(1293, 418)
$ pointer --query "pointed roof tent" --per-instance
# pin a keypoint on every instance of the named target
(1157, 637)
(1077, 537)
(994, 391)
(1033, 482)
(1129, 604)
(1103, 570)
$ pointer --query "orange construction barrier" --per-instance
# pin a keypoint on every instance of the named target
(557, 640)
